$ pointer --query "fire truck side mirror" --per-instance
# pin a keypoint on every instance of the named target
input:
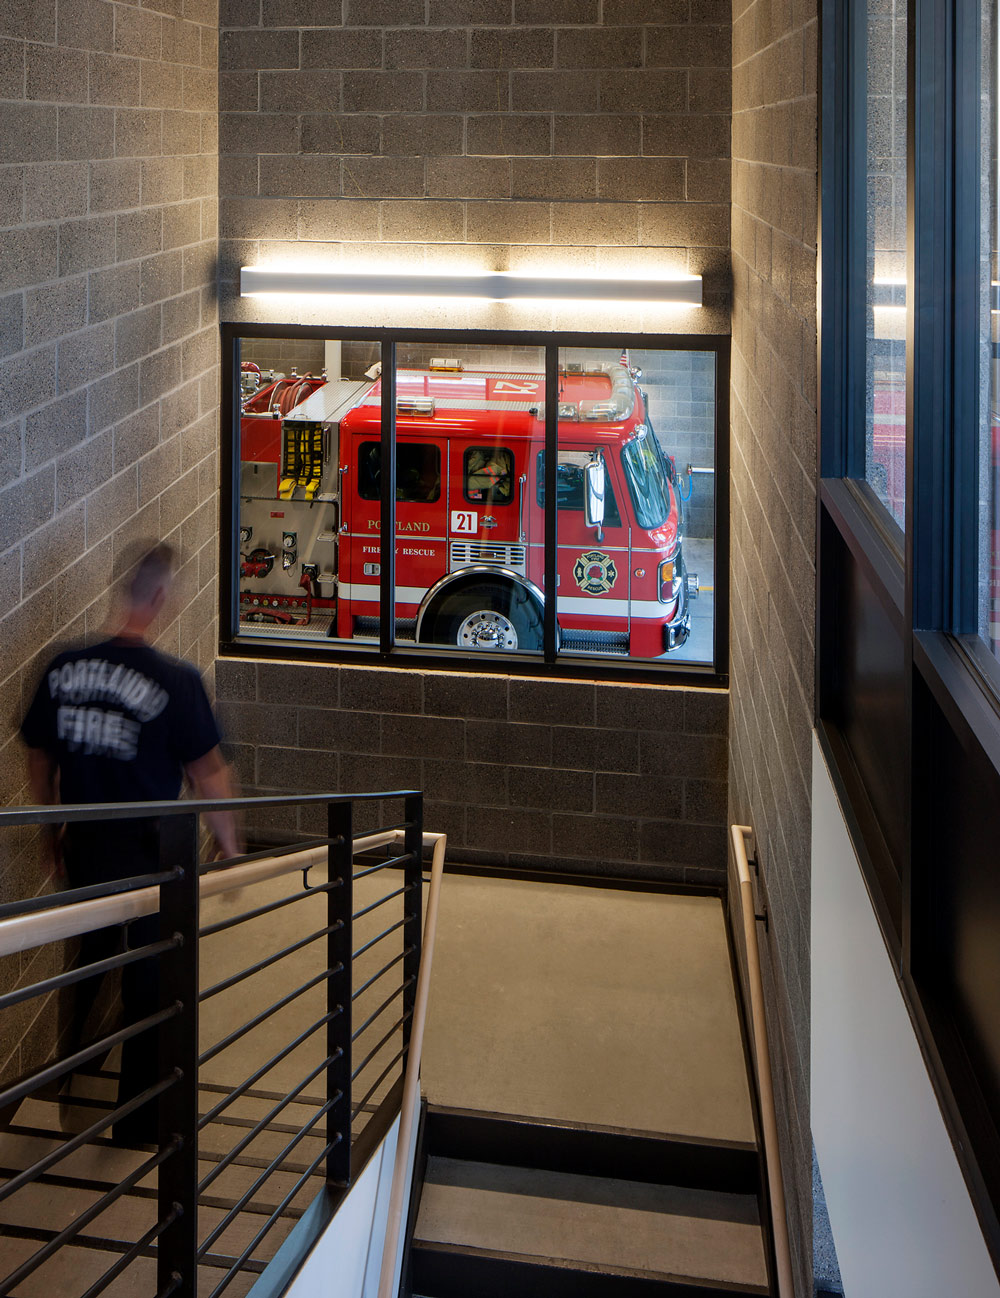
(593, 494)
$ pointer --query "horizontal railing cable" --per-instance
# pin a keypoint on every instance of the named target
(140, 1247)
(255, 1022)
(72, 976)
(260, 1125)
(264, 1068)
(389, 896)
(376, 1048)
(384, 934)
(266, 963)
(407, 982)
(70, 1232)
(93, 891)
(70, 1146)
(394, 863)
(35, 1081)
(234, 1270)
(382, 972)
(377, 1083)
(265, 854)
(268, 908)
(224, 1224)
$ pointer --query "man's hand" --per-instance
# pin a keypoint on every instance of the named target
(209, 776)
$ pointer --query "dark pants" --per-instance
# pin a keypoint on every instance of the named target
(101, 854)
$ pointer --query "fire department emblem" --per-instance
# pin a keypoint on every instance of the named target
(595, 572)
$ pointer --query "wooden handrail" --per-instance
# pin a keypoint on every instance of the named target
(22, 932)
(762, 1067)
(398, 1193)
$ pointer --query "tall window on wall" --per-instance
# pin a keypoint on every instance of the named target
(989, 351)
(885, 241)
(509, 499)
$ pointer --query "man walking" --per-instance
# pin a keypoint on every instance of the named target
(122, 722)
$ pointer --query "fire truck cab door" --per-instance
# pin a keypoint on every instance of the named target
(593, 574)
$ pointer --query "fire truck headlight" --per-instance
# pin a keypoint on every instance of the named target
(666, 578)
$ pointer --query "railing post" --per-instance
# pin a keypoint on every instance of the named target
(413, 873)
(177, 1250)
(339, 945)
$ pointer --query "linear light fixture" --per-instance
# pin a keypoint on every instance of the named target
(499, 286)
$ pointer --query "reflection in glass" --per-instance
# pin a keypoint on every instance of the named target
(885, 341)
(635, 536)
(295, 394)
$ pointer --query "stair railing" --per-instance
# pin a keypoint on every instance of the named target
(762, 1067)
(399, 1190)
(350, 1114)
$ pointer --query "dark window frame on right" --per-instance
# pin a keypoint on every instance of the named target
(908, 696)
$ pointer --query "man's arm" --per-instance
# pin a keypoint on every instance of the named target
(209, 777)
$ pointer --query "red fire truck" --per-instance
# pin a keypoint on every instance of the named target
(470, 514)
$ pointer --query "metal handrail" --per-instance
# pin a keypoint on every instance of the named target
(762, 1067)
(22, 932)
(411, 1082)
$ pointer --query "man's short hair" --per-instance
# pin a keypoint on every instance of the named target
(153, 570)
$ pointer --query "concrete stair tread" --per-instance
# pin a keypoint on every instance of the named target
(592, 1222)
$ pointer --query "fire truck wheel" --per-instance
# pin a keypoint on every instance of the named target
(490, 617)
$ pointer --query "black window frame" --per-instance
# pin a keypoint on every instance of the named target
(399, 654)
(908, 602)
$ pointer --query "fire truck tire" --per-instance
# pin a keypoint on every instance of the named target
(501, 618)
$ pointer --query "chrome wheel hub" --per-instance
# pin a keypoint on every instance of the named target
(487, 630)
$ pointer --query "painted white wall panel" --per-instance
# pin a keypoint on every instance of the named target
(902, 1219)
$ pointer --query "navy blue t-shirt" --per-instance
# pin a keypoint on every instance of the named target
(121, 720)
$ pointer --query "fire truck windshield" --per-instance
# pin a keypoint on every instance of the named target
(647, 482)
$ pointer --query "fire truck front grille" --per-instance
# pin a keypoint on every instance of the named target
(592, 642)
(464, 553)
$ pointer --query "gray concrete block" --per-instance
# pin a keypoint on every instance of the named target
(681, 225)
(162, 180)
(555, 179)
(29, 133)
(264, 132)
(139, 233)
(46, 551)
(552, 702)
(160, 276)
(360, 773)
(583, 749)
(384, 13)
(510, 830)
(114, 80)
(507, 135)
(112, 398)
(113, 292)
(426, 49)
(83, 469)
(663, 753)
(710, 90)
(436, 737)
(29, 20)
(137, 333)
(134, 437)
(27, 380)
(479, 785)
(503, 222)
(384, 177)
(708, 182)
(12, 69)
(597, 135)
(693, 135)
(354, 220)
(81, 356)
(181, 224)
(137, 32)
(464, 91)
(300, 176)
(510, 745)
(384, 92)
(423, 221)
(662, 179)
(595, 224)
(468, 178)
(421, 134)
(556, 91)
(183, 38)
(238, 91)
(26, 505)
(655, 91)
(339, 48)
(337, 133)
(600, 47)
(138, 132)
(114, 184)
(11, 196)
(54, 309)
(301, 13)
(468, 13)
(85, 24)
(505, 48)
(618, 12)
(160, 85)
(182, 132)
(381, 690)
(337, 731)
(704, 846)
(258, 49)
(553, 790)
(640, 796)
(180, 316)
(596, 838)
(54, 429)
(55, 74)
(11, 324)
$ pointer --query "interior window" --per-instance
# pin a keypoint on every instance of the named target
(569, 485)
(489, 474)
(418, 471)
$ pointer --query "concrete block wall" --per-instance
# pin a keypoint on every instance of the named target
(505, 134)
(108, 352)
(773, 485)
(626, 780)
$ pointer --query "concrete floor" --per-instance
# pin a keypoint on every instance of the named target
(588, 1005)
